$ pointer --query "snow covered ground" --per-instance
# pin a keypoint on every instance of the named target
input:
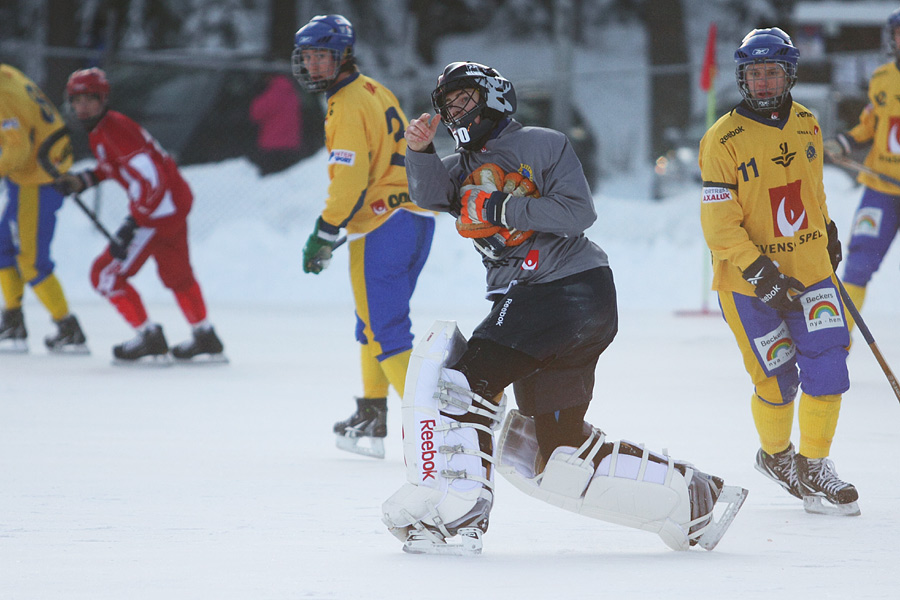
(224, 482)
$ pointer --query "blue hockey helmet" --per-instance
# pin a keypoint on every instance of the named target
(323, 32)
(761, 46)
(893, 22)
(496, 98)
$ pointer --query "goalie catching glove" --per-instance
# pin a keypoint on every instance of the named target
(484, 197)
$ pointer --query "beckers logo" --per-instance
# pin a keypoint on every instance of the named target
(788, 214)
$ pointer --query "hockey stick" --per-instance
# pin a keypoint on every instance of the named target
(869, 339)
(861, 168)
(93, 217)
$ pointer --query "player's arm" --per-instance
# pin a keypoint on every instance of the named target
(348, 168)
(721, 213)
(564, 207)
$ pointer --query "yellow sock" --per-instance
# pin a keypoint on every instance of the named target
(395, 369)
(375, 383)
(13, 287)
(857, 294)
(818, 421)
(773, 424)
(51, 295)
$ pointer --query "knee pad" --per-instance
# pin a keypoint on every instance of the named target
(449, 467)
(629, 485)
(779, 389)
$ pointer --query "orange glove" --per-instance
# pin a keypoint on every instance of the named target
(480, 183)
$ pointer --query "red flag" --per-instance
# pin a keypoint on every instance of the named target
(709, 60)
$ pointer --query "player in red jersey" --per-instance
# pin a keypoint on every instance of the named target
(159, 202)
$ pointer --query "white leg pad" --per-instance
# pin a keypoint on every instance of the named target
(447, 485)
(627, 490)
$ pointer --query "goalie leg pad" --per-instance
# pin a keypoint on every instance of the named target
(449, 474)
(635, 491)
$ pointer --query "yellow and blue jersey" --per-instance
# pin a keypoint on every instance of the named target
(364, 136)
(879, 123)
(34, 142)
(763, 194)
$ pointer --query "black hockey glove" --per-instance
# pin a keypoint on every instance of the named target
(74, 183)
(119, 246)
(834, 245)
(773, 287)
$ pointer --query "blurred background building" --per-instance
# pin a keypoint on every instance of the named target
(620, 77)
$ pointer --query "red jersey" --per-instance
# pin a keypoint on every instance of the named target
(158, 195)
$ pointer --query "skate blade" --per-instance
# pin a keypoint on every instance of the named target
(818, 505)
(14, 347)
(152, 361)
(469, 543)
(203, 359)
(732, 498)
(374, 447)
(70, 349)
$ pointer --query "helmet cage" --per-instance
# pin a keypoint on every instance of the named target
(772, 103)
(496, 98)
(323, 32)
(766, 46)
(302, 74)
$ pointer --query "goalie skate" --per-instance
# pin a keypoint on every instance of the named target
(727, 505)
(424, 541)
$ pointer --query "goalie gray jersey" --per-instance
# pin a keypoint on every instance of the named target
(559, 216)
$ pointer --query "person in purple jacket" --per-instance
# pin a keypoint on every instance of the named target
(521, 195)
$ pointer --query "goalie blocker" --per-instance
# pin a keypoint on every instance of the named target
(448, 436)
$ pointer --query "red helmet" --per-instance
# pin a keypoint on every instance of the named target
(88, 81)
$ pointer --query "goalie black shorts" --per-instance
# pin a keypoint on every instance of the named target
(565, 325)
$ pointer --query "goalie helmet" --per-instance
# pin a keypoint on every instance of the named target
(765, 46)
(323, 32)
(492, 98)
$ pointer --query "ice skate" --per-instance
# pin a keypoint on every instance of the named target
(823, 492)
(364, 431)
(780, 468)
(13, 336)
(204, 348)
(148, 348)
(69, 339)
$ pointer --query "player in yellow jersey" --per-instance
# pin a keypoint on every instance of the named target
(389, 236)
(774, 251)
(878, 215)
(34, 149)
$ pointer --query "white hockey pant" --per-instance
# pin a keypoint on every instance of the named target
(628, 490)
(450, 476)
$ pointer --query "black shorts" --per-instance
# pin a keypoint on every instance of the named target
(564, 324)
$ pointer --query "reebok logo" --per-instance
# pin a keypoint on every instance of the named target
(755, 279)
(503, 310)
(772, 293)
(426, 449)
